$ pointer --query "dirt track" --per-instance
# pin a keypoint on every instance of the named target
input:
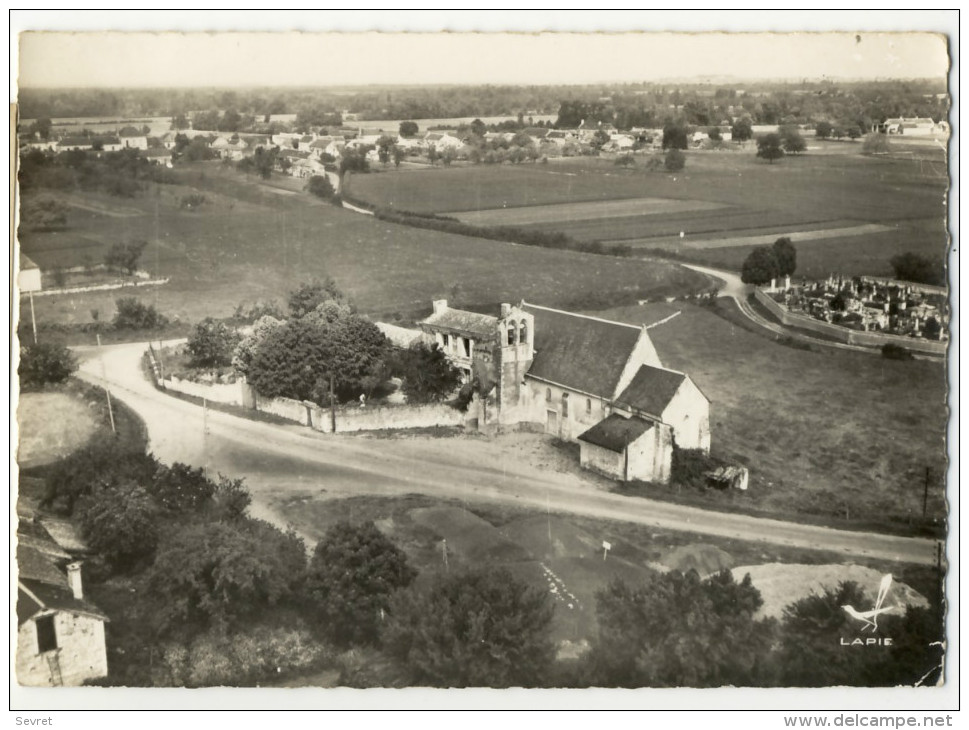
(283, 460)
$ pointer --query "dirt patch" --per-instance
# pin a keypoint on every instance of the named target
(551, 537)
(52, 425)
(781, 584)
(703, 558)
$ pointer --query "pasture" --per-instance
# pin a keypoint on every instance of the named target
(835, 192)
(251, 241)
(831, 435)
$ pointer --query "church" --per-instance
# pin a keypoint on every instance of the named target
(580, 378)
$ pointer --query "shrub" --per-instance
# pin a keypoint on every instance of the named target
(892, 351)
(320, 186)
(675, 160)
(120, 523)
(135, 315)
(689, 467)
(191, 201)
(124, 255)
(45, 363)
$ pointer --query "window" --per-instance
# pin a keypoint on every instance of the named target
(512, 331)
(466, 342)
(588, 405)
(446, 341)
(523, 334)
(548, 394)
(46, 634)
(565, 405)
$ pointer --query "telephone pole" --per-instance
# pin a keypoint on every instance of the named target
(104, 379)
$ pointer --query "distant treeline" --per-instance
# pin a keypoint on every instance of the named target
(625, 105)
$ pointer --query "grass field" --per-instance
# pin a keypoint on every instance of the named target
(249, 242)
(835, 434)
(716, 195)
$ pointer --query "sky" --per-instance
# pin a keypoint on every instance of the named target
(57, 57)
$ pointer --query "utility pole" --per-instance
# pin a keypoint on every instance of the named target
(33, 319)
(548, 514)
(205, 436)
(104, 379)
(444, 552)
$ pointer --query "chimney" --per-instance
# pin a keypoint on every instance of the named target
(505, 310)
(74, 579)
(439, 305)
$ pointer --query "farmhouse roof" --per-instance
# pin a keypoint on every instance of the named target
(36, 596)
(473, 324)
(535, 131)
(306, 138)
(583, 353)
(130, 132)
(399, 336)
(298, 154)
(651, 390)
(157, 152)
(321, 143)
(616, 432)
(76, 142)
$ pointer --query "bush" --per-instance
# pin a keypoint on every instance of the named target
(675, 160)
(45, 363)
(892, 351)
(120, 524)
(689, 467)
(133, 314)
(124, 255)
(191, 201)
(916, 268)
(320, 186)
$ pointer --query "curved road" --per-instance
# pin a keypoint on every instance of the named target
(278, 461)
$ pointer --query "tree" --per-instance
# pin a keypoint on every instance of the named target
(760, 266)
(680, 631)
(103, 462)
(352, 575)
(426, 372)
(741, 130)
(792, 140)
(311, 294)
(211, 344)
(385, 144)
(916, 268)
(354, 160)
(675, 160)
(786, 256)
(135, 315)
(120, 523)
(408, 129)
(714, 134)
(770, 147)
(298, 359)
(808, 656)
(124, 255)
(823, 130)
(41, 127)
(213, 574)
(482, 628)
(320, 186)
(398, 153)
(264, 161)
(675, 136)
(246, 349)
(44, 363)
(43, 213)
(180, 488)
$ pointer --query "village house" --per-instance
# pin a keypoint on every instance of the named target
(132, 138)
(60, 634)
(442, 141)
(159, 155)
(912, 127)
(579, 378)
(230, 148)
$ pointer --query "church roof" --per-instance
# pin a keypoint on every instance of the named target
(582, 353)
(616, 432)
(651, 390)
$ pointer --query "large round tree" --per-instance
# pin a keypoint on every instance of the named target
(353, 573)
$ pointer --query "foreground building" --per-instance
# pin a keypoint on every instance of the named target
(60, 634)
(579, 378)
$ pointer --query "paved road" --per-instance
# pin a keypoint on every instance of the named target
(277, 460)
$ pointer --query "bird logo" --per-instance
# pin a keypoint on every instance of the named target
(870, 618)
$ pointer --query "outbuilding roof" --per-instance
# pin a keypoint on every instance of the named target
(616, 432)
(651, 390)
(579, 352)
(479, 326)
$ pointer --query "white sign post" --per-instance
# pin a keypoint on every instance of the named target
(606, 547)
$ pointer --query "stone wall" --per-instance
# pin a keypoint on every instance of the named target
(80, 652)
(230, 393)
(843, 334)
